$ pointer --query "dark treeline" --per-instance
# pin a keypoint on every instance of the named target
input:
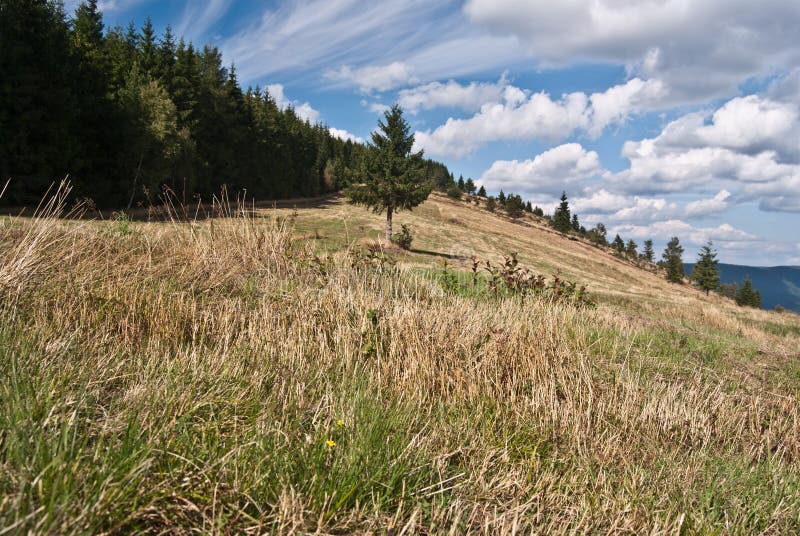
(126, 113)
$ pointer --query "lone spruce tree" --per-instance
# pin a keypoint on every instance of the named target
(673, 260)
(561, 219)
(706, 272)
(648, 254)
(393, 178)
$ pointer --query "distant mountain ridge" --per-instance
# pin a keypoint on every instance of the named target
(779, 285)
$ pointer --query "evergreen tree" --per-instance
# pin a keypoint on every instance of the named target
(481, 191)
(514, 206)
(747, 295)
(630, 249)
(561, 219)
(673, 260)
(576, 226)
(648, 254)
(469, 186)
(618, 244)
(149, 53)
(706, 271)
(38, 104)
(394, 177)
(597, 234)
(124, 114)
(461, 185)
(528, 207)
(501, 199)
(537, 211)
(491, 204)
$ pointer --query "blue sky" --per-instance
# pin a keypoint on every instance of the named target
(658, 117)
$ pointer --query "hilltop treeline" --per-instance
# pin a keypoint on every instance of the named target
(126, 113)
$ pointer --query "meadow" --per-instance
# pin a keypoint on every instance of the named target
(272, 372)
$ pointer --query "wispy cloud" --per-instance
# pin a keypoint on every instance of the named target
(199, 15)
(430, 39)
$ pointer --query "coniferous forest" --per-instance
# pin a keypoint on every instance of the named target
(127, 113)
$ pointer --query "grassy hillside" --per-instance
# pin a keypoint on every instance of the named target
(261, 374)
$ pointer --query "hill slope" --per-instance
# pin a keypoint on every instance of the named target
(779, 285)
(258, 375)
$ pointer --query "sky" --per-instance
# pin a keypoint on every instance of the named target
(659, 118)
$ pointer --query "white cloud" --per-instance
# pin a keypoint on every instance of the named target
(303, 110)
(198, 16)
(304, 38)
(749, 147)
(375, 107)
(374, 77)
(345, 136)
(701, 49)
(540, 117)
(618, 102)
(469, 97)
(550, 172)
(706, 207)
(664, 230)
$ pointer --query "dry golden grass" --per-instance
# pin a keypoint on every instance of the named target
(186, 377)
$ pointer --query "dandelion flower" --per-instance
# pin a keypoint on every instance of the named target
(340, 422)
(330, 443)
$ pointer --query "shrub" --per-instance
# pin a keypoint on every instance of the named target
(404, 237)
(122, 223)
(454, 192)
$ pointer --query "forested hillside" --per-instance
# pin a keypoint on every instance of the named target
(126, 113)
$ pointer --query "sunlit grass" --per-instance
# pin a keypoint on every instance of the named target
(237, 375)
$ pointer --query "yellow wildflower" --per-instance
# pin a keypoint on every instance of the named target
(330, 443)
(340, 422)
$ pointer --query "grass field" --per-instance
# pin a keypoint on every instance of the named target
(252, 375)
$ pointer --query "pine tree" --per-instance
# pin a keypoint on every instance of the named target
(491, 204)
(597, 234)
(461, 185)
(561, 219)
(648, 254)
(38, 104)
(747, 295)
(501, 199)
(706, 271)
(481, 191)
(575, 224)
(394, 178)
(469, 186)
(514, 206)
(149, 53)
(618, 244)
(528, 207)
(630, 249)
(673, 261)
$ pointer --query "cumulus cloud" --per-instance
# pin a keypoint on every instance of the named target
(303, 110)
(663, 230)
(345, 136)
(374, 77)
(539, 116)
(550, 172)
(468, 97)
(700, 49)
(706, 207)
(750, 145)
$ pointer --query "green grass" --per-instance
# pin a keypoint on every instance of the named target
(183, 379)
